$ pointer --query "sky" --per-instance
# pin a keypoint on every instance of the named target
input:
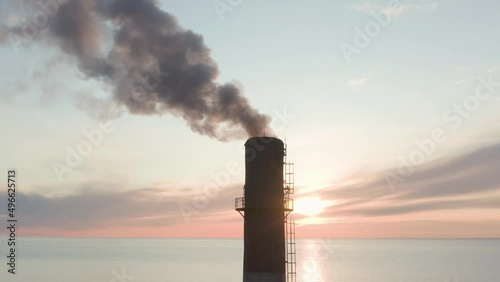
(390, 110)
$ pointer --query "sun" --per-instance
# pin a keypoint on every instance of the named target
(309, 206)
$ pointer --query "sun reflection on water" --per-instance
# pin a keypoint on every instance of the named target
(311, 262)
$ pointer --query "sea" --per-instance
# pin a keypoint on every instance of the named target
(221, 260)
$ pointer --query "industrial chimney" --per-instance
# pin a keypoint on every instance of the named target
(269, 251)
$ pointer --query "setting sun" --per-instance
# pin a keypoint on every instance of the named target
(310, 206)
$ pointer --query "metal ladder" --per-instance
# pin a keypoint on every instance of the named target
(289, 189)
(291, 253)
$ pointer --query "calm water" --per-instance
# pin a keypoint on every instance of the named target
(215, 260)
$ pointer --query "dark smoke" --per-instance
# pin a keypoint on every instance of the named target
(154, 65)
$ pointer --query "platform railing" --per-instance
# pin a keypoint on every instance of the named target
(239, 203)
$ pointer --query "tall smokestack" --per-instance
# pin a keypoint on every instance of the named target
(264, 211)
(153, 65)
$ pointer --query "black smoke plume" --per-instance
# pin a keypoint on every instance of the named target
(153, 64)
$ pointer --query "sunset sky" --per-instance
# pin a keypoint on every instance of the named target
(399, 138)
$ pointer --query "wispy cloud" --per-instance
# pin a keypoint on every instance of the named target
(467, 181)
(493, 69)
(434, 205)
(92, 208)
(464, 80)
(395, 7)
(490, 70)
(357, 83)
(371, 7)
